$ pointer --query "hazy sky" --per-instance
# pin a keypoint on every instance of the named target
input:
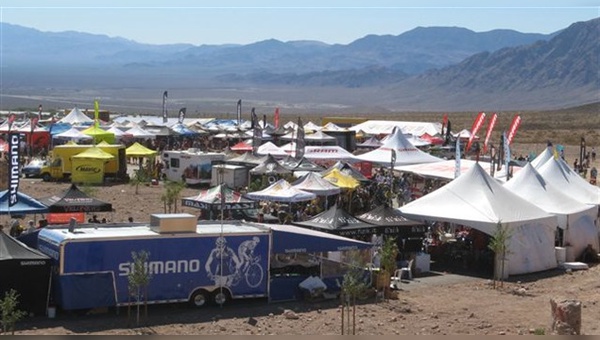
(335, 21)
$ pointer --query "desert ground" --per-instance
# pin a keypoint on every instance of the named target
(439, 304)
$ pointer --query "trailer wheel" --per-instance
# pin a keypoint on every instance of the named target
(221, 297)
(199, 298)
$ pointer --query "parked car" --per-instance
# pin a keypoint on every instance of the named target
(34, 167)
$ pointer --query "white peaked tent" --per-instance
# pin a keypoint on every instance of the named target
(76, 117)
(281, 191)
(446, 169)
(313, 182)
(269, 148)
(310, 126)
(72, 134)
(138, 132)
(558, 173)
(406, 153)
(575, 218)
(542, 158)
(478, 201)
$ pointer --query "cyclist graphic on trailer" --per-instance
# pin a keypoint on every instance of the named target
(222, 264)
(246, 252)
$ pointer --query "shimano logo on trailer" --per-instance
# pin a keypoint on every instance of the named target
(162, 267)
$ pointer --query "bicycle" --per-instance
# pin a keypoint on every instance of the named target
(251, 271)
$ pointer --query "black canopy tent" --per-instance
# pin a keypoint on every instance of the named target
(337, 221)
(74, 200)
(27, 271)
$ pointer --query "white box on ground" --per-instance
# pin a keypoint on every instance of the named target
(234, 176)
(422, 263)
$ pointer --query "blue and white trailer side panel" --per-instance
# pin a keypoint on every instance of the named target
(91, 260)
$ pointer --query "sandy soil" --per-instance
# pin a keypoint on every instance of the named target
(444, 303)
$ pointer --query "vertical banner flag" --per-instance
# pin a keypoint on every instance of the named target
(181, 115)
(256, 133)
(276, 118)
(447, 138)
(474, 129)
(457, 159)
(39, 117)
(500, 152)
(512, 131)
(239, 112)
(253, 119)
(506, 154)
(164, 107)
(444, 122)
(488, 133)
(11, 120)
(300, 142)
(264, 122)
(96, 113)
(581, 153)
(393, 159)
(13, 170)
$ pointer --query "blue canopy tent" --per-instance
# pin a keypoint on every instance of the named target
(25, 205)
(183, 130)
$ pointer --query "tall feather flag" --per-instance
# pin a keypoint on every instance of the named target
(11, 119)
(500, 152)
(512, 131)
(447, 137)
(181, 115)
(276, 118)
(164, 106)
(14, 174)
(300, 141)
(474, 129)
(39, 116)
(457, 157)
(581, 152)
(96, 113)
(444, 122)
(488, 133)
(256, 132)
(239, 112)
(506, 155)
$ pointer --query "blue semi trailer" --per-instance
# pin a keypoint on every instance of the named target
(189, 261)
(210, 264)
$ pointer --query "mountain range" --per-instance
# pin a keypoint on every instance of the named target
(425, 69)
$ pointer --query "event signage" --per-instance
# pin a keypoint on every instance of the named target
(164, 106)
(13, 170)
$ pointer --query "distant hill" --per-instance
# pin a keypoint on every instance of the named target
(427, 68)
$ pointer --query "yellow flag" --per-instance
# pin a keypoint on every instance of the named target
(96, 112)
(555, 153)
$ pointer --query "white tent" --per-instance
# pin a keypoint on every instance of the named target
(281, 191)
(313, 182)
(310, 126)
(446, 169)
(477, 200)
(76, 117)
(575, 218)
(384, 127)
(138, 132)
(73, 134)
(542, 158)
(269, 148)
(330, 152)
(406, 153)
(557, 172)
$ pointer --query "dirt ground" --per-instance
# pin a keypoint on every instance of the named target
(442, 303)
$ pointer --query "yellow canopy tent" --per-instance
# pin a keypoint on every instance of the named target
(103, 143)
(341, 180)
(99, 135)
(138, 150)
(88, 166)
